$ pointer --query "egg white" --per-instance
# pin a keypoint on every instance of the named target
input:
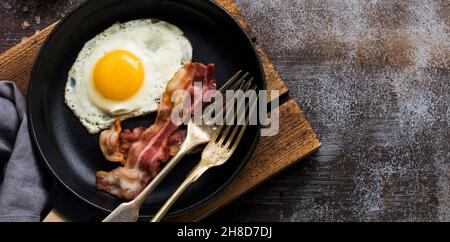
(162, 49)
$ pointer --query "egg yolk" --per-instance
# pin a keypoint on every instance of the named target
(118, 75)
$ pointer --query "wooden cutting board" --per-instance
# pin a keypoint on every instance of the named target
(295, 139)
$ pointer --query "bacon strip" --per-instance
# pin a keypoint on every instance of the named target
(109, 143)
(143, 156)
(128, 137)
(176, 140)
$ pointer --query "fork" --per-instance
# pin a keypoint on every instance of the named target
(218, 151)
(197, 134)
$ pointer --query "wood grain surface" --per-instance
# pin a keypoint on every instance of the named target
(373, 79)
(15, 65)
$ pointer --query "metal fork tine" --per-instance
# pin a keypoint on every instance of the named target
(230, 81)
(237, 126)
(227, 129)
(248, 84)
(217, 133)
(224, 135)
(234, 85)
(221, 133)
(233, 134)
(247, 119)
(239, 137)
(239, 82)
(242, 131)
(245, 87)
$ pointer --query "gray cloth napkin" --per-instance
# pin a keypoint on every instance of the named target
(22, 190)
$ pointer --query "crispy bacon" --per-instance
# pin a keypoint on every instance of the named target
(115, 143)
(109, 143)
(128, 137)
(144, 150)
(176, 140)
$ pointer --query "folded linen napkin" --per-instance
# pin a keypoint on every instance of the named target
(23, 192)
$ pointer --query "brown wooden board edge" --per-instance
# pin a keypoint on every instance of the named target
(16, 63)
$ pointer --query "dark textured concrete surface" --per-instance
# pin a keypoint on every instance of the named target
(373, 77)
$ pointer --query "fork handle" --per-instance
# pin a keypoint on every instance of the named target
(191, 178)
(185, 148)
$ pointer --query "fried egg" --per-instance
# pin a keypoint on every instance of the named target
(123, 71)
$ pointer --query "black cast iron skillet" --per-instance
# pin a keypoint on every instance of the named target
(73, 155)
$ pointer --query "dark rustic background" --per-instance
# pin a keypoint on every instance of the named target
(373, 77)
